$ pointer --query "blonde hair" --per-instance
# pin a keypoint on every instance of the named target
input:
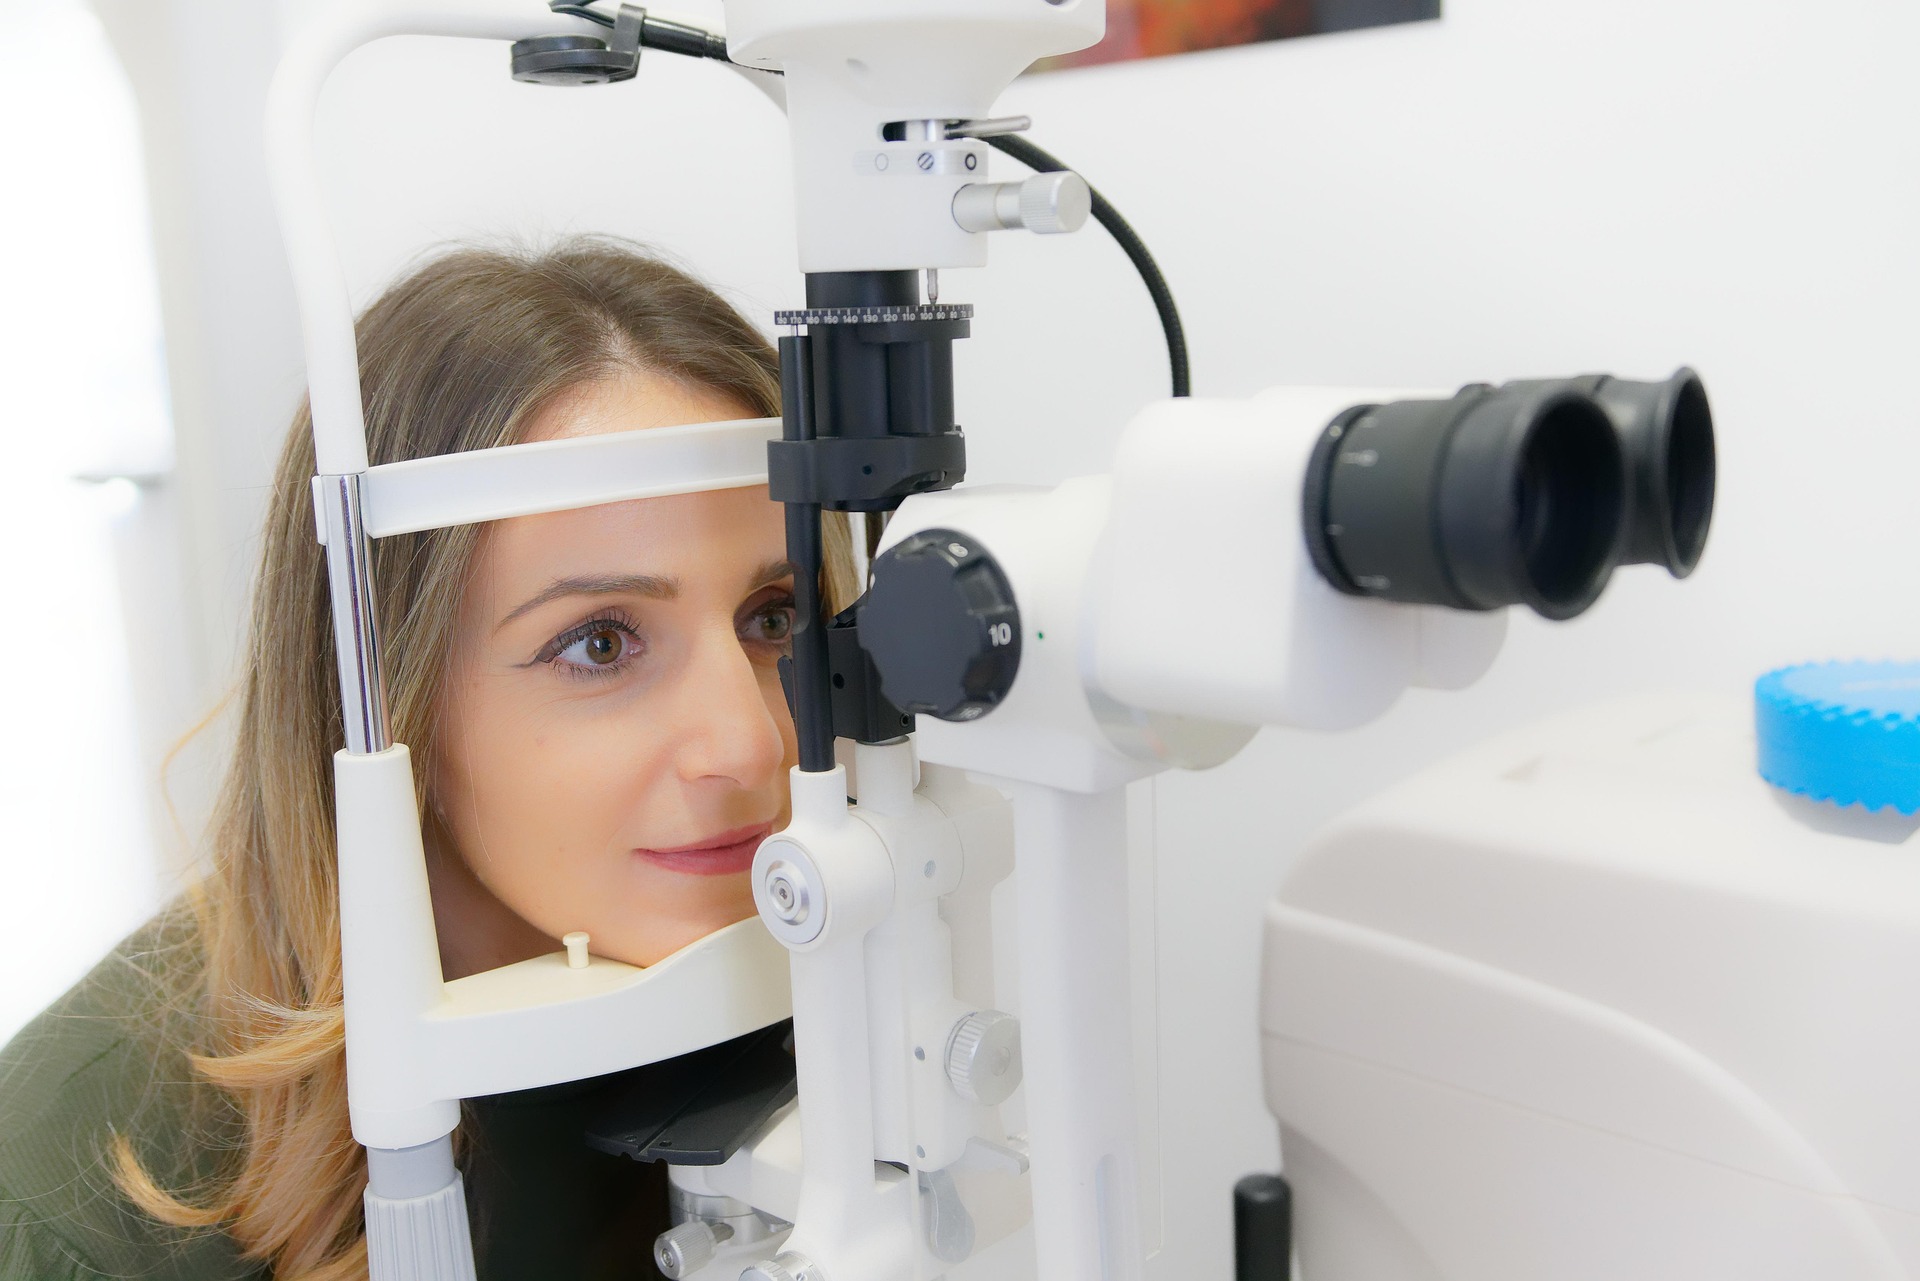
(460, 355)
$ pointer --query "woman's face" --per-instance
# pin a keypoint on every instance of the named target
(615, 742)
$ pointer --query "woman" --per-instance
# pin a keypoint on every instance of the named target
(600, 741)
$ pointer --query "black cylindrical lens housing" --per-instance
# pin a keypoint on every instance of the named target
(1666, 429)
(1506, 496)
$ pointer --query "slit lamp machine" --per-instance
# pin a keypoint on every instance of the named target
(967, 729)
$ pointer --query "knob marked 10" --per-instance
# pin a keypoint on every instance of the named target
(942, 626)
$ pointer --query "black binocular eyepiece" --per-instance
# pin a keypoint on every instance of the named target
(1666, 429)
(1530, 493)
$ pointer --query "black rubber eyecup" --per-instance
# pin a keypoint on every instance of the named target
(1667, 431)
(1691, 474)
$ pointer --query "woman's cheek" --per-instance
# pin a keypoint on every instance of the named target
(671, 910)
(547, 813)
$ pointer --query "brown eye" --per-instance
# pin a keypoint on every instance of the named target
(603, 647)
(596, 647)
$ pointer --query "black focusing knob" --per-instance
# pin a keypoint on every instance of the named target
(571, 60)
(942, 626)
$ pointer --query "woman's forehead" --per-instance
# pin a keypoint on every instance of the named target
(709, 538)
(714, 537)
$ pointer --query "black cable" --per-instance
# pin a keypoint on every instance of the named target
(657, 33)
(678, 37)
(582, 11)
(1129, 240)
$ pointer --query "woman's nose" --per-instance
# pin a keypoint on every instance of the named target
(731, 732)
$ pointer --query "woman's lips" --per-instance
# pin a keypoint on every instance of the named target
(721, 855)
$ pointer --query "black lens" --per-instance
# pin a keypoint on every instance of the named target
(1667, 431)
(1495, 497)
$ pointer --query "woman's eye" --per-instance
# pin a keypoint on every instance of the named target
(603, 646)
(772, 625)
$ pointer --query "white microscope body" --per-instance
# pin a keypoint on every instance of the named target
(1594, 1002)
(941, 1108)
(880, 1081)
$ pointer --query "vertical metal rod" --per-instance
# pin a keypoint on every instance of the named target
(812, 672)
(356, 635)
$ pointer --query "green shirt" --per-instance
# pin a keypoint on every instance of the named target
(106, 1059)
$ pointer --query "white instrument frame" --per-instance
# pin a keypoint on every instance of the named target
(904, 879)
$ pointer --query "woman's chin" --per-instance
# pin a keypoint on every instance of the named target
(661, 939)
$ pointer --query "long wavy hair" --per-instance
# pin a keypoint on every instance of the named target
(462, 354)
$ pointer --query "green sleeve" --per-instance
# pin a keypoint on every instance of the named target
(31, 1251)
(37, 1249)
(107, 1059)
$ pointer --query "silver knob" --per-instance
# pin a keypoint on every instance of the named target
(983, 1057)
(1051, 203)
(1047, 203)
(788, 893)
(787, 1266)
(685, 1248)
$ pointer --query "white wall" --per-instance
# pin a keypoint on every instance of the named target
(1526, 187)
(81, 364)
(199, 71)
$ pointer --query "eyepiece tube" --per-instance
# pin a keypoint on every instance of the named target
(1666, 429)
(1515, 495)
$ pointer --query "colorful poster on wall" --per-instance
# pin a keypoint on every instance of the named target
(1150, 28)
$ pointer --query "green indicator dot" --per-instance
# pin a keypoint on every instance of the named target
(1039, 635)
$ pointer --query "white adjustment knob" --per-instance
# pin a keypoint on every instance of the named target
(983, 1057)
(1047, 203)
(787, 1266)
(687, 1247)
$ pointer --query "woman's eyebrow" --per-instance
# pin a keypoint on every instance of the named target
(772, 572)
(597, 585)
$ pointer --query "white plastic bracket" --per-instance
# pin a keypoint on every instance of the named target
(555, 475)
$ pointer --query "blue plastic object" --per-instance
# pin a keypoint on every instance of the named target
(1842, 732)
